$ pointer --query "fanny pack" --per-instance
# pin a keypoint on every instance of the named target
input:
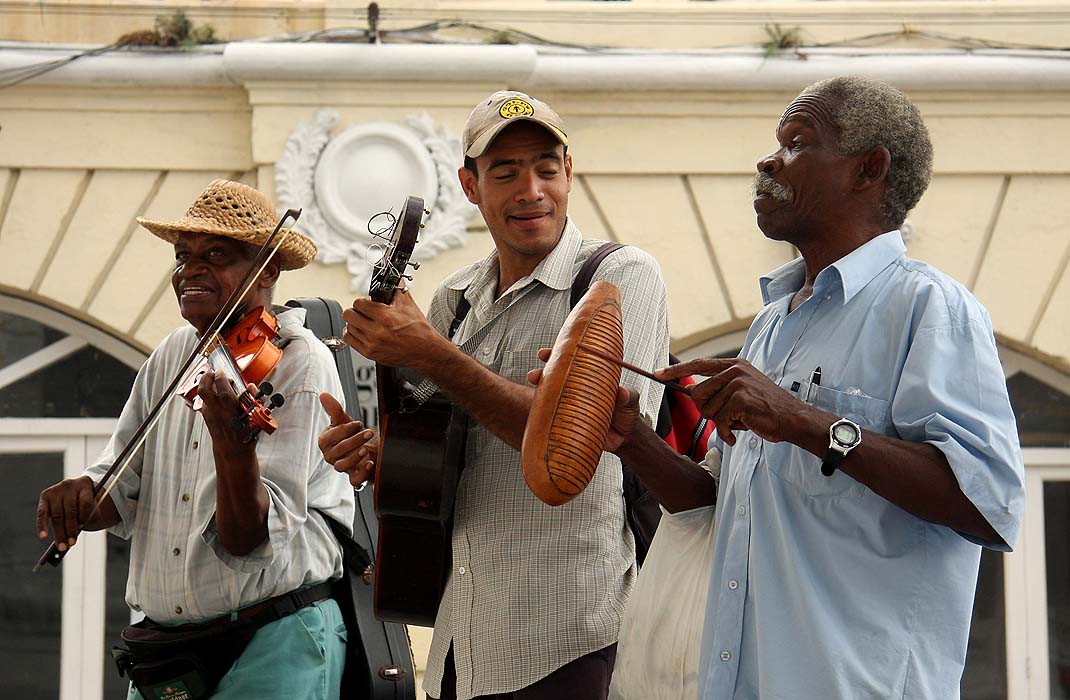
(187, 662)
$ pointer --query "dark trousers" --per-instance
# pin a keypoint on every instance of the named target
(586, 678)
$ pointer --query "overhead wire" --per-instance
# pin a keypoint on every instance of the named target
(9, 77)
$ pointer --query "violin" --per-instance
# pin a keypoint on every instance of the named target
(246, 354)
(252, 416)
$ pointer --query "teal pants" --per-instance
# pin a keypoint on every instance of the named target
(299, 657)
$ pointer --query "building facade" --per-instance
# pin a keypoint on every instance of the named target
(669, 106)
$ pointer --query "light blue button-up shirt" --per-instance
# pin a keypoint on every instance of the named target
(820, 588)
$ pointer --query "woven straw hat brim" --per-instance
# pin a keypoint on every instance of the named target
(295, 252)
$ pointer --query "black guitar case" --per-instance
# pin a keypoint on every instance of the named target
(378, 659)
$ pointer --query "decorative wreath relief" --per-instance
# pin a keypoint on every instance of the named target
(342, 183)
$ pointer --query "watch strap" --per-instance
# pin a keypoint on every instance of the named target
(833, 459)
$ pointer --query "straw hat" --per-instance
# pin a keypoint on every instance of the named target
(237, 211)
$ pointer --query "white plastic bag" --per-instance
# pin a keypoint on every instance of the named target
(660, 635)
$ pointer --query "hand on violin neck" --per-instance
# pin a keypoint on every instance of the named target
(396, 334)
(219, 410)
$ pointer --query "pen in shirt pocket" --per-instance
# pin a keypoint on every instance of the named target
(815, 380)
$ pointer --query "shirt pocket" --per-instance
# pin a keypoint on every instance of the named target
(869, 412)
(802, 469)
(517, 363)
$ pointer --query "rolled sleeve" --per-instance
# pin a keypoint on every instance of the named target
(290, 464)
(953, 395)
(126, 484)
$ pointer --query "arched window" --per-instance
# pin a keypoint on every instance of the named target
(62, 385)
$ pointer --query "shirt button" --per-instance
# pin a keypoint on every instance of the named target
(176, 551)
(726, 656)
(178, 609)
(753, 443)
(195, 444)
(485, 351)
(185, 498)
(460, 570)
(742, 511)
(733, 584)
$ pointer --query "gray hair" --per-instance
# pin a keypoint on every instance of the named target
(870, 113)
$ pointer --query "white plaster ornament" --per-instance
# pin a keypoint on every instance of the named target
(343, 183)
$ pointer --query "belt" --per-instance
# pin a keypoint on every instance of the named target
(267, 610)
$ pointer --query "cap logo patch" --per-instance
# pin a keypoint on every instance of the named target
(515, 108)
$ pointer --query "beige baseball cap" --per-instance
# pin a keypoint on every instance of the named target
(501, 109)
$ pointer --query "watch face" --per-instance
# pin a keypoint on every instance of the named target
(845, 434)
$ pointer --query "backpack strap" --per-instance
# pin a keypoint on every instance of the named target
(586, 273)
(579, 285)
(463, 307)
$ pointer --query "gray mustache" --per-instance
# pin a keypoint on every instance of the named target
(764, 184)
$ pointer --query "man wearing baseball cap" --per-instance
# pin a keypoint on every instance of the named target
(230, 550)
(533, 604)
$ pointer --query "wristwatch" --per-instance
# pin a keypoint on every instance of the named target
(844, 436)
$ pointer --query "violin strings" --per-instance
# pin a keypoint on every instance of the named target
(249, 285)
(213, 337)
(118, 467)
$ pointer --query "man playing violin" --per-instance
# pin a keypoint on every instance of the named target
(224, 528)
(533, 603)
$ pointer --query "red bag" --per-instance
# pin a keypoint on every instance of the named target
(680, 424)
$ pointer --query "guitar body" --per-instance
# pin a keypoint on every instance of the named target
(421, 451)
(420, 459)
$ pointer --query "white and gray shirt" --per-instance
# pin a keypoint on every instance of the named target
(533, 586)
(179, 571)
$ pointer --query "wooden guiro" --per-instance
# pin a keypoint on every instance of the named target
(573, 404)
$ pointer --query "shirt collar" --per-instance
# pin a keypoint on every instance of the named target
(850, 274)
(555, 270)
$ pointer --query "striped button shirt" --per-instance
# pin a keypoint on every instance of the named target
(534, 587)
(179, 571)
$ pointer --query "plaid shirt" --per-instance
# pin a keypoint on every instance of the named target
(179, 571)
(534, 587)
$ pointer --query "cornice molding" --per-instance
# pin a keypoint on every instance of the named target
(529, 67)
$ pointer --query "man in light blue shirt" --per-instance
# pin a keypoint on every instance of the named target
(869, 446)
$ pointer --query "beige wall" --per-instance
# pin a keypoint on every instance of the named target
(667, 172)
(637, 23)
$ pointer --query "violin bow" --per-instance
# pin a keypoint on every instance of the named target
(53, 555)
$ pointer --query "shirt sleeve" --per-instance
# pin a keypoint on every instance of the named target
(293, 471)
(644, 310)
(952, 394)
(439, 314)
(127, 485)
